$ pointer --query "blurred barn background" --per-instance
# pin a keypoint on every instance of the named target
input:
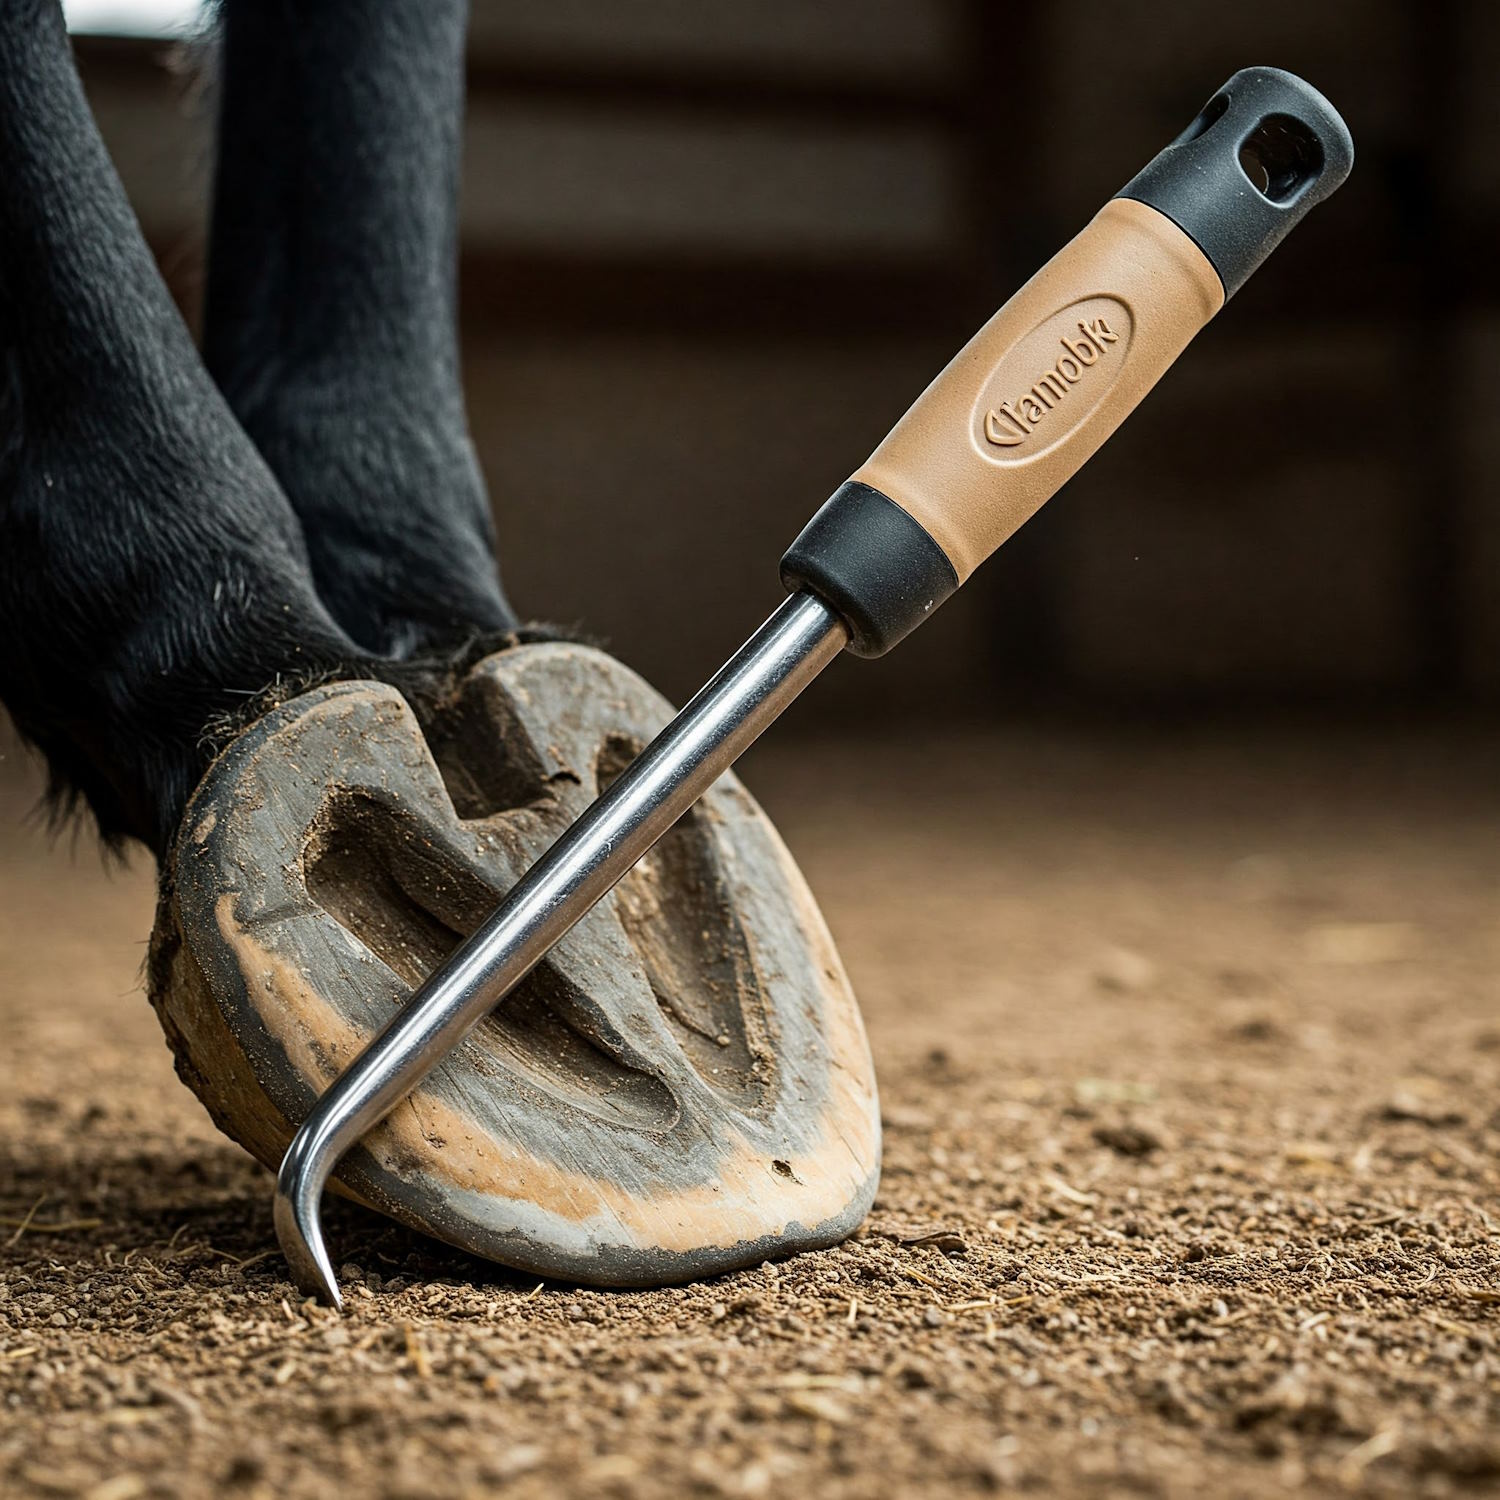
(1163, 861)
(712, 249)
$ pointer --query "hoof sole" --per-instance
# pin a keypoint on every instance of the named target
(681, 1087)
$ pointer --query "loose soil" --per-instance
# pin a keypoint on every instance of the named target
(1189, 1056)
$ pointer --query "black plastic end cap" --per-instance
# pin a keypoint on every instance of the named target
(1260, 153)
(873, 563)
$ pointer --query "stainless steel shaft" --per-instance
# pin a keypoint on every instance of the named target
(658, 787)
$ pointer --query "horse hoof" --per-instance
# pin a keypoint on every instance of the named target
(683, 1086)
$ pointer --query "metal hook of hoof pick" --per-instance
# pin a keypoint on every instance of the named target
(1022, 408)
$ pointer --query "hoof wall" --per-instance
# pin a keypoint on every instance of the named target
(683, 1086)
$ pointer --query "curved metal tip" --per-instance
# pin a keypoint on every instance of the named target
(300, 1230)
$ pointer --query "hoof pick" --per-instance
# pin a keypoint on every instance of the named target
(679, 1183)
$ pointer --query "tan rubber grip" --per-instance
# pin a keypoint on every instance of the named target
(1033, 394)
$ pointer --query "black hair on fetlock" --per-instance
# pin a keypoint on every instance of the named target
(429, 682)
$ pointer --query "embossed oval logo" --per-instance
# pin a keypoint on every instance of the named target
(1049, 381)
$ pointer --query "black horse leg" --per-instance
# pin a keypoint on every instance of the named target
(153, 578)
(331, 317)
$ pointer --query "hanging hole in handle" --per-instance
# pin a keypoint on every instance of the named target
(1281, 156)
(1209, 115)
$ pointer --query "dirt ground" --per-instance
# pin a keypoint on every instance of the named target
(1189, 1054)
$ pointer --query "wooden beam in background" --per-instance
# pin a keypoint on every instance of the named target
(579, 292)
(748, 93)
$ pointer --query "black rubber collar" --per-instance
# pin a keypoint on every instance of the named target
(873, 563)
